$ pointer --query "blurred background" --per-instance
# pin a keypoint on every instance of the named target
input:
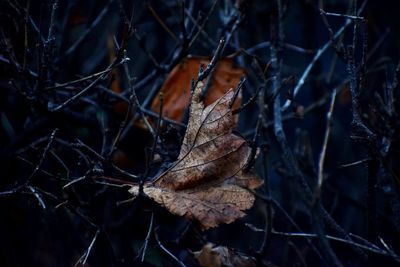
(111, 48)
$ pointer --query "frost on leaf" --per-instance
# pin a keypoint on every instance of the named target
(207, 183)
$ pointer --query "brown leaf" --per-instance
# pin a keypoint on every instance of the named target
(207, 183)
(210, 256)
(176, 88)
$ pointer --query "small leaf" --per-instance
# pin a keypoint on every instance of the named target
(210, 256)
(207, 183)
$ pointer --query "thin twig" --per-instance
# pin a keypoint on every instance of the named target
(150, 55)
(278, 206)
(58, 85)
(82, 146)
(50, 35)
(75, 181)
(61, 162)
(133, 100)
(146, 241)
(150, 157)
(159, 20)
(99, 17)
(374, 249)
(35, 171)
(28, 4)
(341, 15)
(71, 100)
(358, 162)
(307, 71)
(210, 66)
(251, 100)
(82, 260)
(26, 13)
(317, 56)
(136, 101)
(32, 164)
(324, 146)
(167, 251)
(38, 197)
(201, 27)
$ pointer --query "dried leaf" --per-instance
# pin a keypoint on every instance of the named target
(210, 256)
(176, 88)
(207, 183)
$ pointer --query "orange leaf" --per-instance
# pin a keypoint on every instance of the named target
(176, 88)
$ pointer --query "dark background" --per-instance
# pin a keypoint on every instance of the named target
(42, 224)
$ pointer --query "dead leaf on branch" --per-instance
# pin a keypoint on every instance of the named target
(207, 183)
(176, 92)
(176, 87)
